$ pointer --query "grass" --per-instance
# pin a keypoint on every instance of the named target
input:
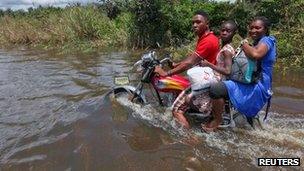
(88, 28)
(82, 28)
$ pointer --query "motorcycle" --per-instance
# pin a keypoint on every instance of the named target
(172, 85)
(168, 88)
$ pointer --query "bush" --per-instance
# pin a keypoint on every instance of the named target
(144, 23)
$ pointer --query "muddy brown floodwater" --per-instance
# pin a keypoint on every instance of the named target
(55, 115)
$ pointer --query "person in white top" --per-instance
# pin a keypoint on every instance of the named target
(201, 102)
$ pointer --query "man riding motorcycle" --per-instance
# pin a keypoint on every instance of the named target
(207, 48)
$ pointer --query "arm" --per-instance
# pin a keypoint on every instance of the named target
(226, 70)
(175, 64)
(256, 52)
(182, 66)
(185, 64)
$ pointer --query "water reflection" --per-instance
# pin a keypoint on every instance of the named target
(144, 138)
(41, 91)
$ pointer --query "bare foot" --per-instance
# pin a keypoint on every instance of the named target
(211, 126)
(181, 119)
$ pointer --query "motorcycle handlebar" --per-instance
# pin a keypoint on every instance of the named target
(169, 62)
(164, 60)
(137, 63)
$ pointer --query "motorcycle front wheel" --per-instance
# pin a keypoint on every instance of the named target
(129, 93)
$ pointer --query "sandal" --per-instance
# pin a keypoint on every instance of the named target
(225, 123)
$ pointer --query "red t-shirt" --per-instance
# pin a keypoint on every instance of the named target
(207, 47)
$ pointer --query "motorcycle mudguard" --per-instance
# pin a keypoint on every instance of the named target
(129, 89)
(197, 115)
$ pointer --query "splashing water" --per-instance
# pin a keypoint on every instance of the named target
(283, 135)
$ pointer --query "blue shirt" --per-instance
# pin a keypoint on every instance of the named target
(249, 99)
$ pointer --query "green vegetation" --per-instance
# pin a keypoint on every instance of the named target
(76, 26)
(144, 23)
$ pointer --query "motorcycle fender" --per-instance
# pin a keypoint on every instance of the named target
(130, 89)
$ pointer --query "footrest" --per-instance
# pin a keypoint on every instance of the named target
(226, 122)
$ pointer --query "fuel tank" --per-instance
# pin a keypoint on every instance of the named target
(174, 83)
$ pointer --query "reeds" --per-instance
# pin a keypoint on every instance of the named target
(74, 26)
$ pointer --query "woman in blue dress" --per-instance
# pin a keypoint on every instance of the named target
(248, 99)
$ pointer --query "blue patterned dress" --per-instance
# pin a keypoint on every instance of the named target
(249, 99)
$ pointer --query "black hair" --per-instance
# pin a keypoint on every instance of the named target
(266, 23)
(202, 13)
(233, 23)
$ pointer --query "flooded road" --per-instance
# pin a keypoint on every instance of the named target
(55, 115)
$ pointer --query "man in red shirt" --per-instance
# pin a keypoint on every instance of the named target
(207, 46)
